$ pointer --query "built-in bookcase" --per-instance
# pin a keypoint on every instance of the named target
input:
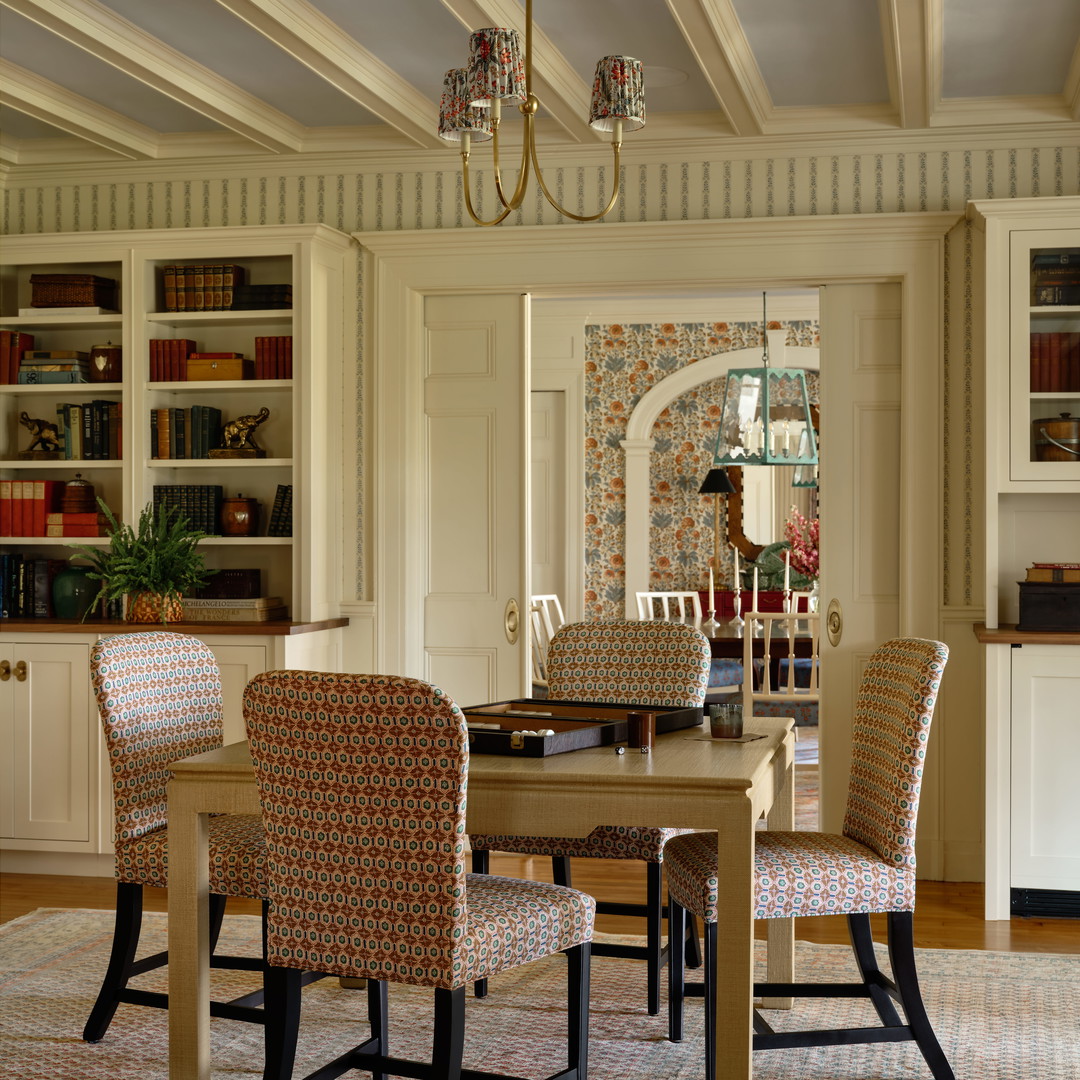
(312, 261)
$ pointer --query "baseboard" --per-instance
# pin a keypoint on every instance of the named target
(74, 864)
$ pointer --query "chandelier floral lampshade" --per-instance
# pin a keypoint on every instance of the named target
(765, 417)
(458, 117)
(500, 71)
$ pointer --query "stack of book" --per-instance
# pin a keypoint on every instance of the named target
(202, 286)
(76, 524)
(198, 504)
(1055, 277)
(261, 297)
(25, 505)
(184, 433)
(168, 358)
(281, 512)
(273, 357)
(235, 583)
(54, 366)
(1055, 360)
(26, 586)
(1063, 573)
(91, 430)
(13, 344)
(232, 609)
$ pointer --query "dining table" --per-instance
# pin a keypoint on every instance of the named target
(688, 780)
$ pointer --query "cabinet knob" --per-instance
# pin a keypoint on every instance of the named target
(19, 671)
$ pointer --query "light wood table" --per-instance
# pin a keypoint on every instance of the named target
(688, 781)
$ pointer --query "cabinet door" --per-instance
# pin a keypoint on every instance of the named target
(47, 729)
(1044, 350)
(1045, 753)
(237, 663)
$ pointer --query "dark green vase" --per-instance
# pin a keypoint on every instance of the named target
(73, 592)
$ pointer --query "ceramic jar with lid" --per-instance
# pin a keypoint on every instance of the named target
(105, 363)
(239, 516)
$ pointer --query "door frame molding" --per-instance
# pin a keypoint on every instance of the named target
(647, 259)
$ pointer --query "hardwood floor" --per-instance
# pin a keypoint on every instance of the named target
(947, 914)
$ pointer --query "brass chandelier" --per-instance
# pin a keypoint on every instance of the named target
(471, 109)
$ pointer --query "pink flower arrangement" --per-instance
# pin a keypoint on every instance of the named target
(802, 534)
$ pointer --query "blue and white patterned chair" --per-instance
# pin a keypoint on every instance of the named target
(362, 781)
(625, 661)
(868, 869)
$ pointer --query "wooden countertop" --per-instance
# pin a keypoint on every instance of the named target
(1007, 634)
(271, 628)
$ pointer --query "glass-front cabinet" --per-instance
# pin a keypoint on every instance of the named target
(1044, 355)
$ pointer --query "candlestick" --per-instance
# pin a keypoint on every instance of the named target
(711, 589)
(787, 579)
(755, 607)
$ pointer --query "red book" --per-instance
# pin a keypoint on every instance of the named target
(6, 339)
(1036, 362)
(287, 367)
(46, 499)
(5, 508)
(1054, 380)
(21, 496)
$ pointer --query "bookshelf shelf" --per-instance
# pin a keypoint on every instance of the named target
(70, 465)
(219, 463)
(276, 317)
(247, 386)
(45, 322)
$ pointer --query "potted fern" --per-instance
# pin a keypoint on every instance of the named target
(153, 564)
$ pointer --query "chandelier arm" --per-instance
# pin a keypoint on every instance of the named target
(468, 196)
(616, 147)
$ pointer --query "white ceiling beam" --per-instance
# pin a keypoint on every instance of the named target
(304, 32)
(1072, 85)
(564, 95)
(44, 100)
(715, 36)
(100, 32)
(911, 51)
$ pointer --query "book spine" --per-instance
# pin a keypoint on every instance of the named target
(5, 508)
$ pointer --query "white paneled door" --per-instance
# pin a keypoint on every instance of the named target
(861, 365)
(476, 446)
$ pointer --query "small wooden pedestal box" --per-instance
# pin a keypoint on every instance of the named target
(231, 368)
(509, 727)
(1046, 605)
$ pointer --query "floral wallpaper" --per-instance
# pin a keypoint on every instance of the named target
(622, 363)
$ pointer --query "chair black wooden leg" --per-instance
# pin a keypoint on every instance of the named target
(902, 958)
(560, 870)
(481, 863)
(693, 946)
(654, 944)
(448, 1044)
(577, 1021)
(217, 917)
(281, 990)
(676, 971)
(378, 1018)
(710, 1000)
(125, 941)
(862, 943)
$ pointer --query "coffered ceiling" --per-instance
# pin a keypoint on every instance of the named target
(85, 81)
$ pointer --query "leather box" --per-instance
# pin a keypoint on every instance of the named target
(1048, 605)
(231, 368)
(576, 724)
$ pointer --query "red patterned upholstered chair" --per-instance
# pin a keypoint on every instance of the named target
(363, 780)
(869, 868)
(159, 697)
(634, 662)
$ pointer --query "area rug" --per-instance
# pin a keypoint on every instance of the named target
(1000, 1016)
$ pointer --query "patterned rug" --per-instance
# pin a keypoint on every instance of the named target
(1000, 1016)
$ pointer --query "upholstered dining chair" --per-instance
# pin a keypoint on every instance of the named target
(363, 782)
(159, 698)
(777, 634)
(627, 661)
(868, 869)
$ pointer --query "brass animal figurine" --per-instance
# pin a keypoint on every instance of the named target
(237, 434)
(46, 436)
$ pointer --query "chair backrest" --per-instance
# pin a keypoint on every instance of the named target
(669, 605)
(546, 615)
(893, 710)
(159, 697)
(778, 632)
(362, 782)
(627, 660)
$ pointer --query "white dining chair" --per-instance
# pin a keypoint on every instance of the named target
(669, 605)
